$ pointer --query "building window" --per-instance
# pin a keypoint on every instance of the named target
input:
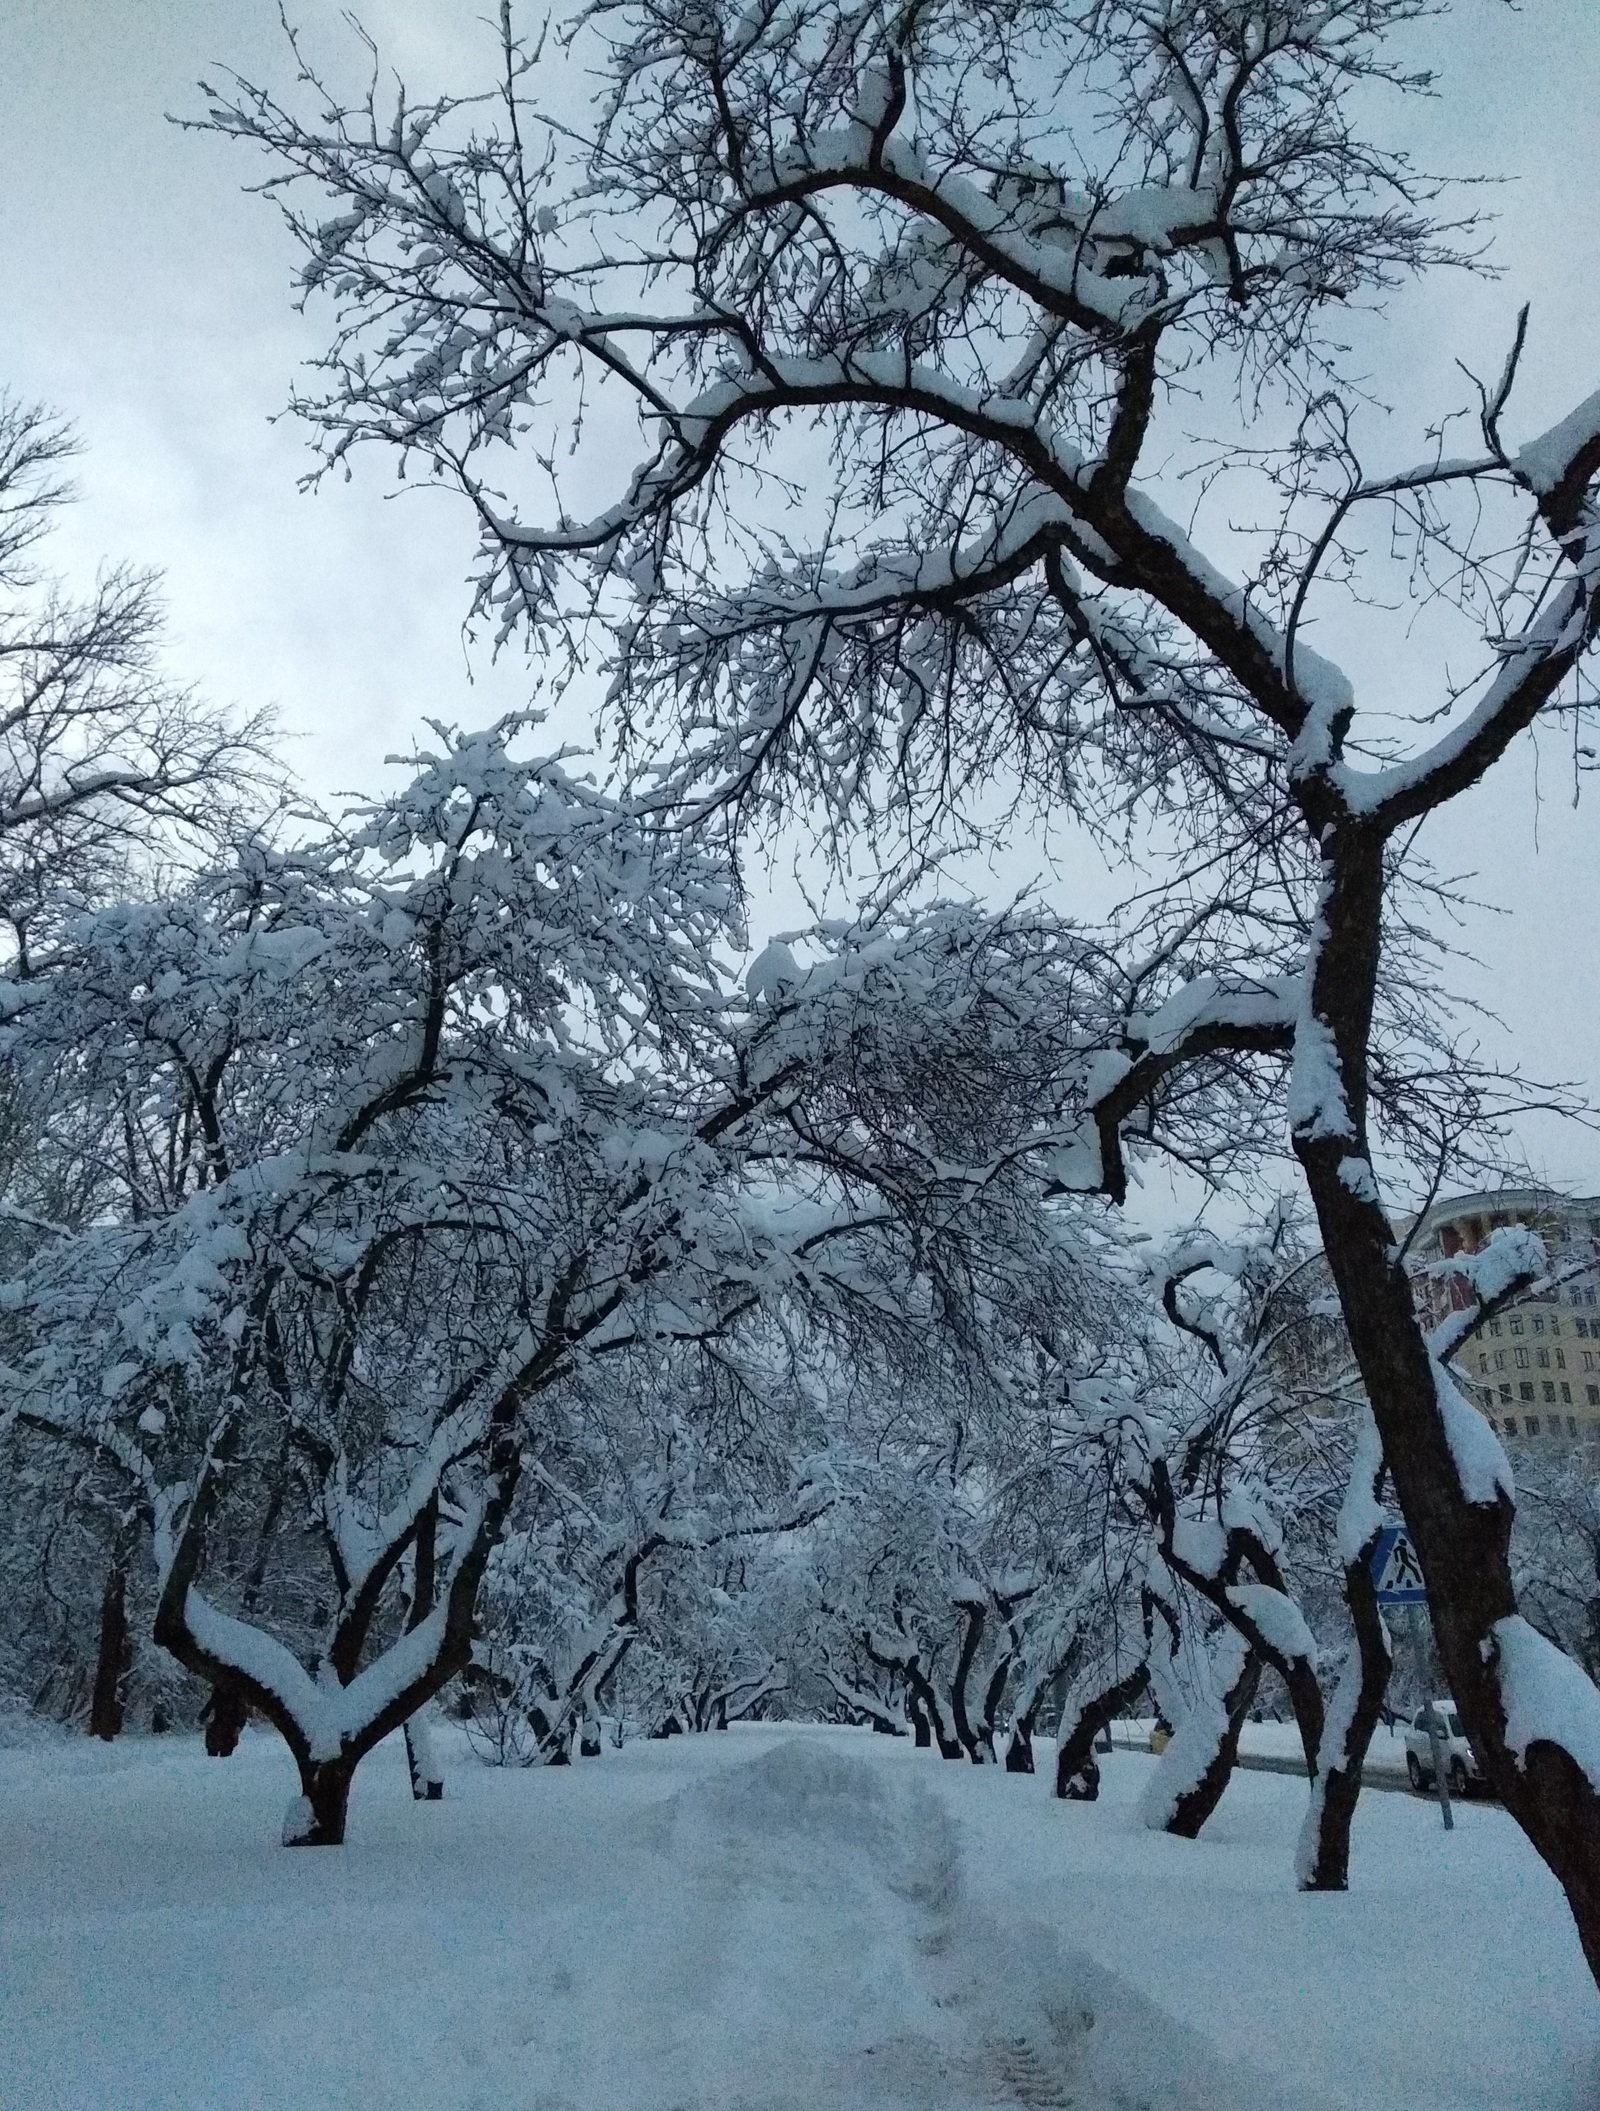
(1538, 1323)
(1566, 1390)
(1582, 1324)
(1593, 1392)
(1588, 1297)
(1499, 1359)
(1588, 1359)
(1505, 1392)
(1572, 1425)
(1561, 1359)
(1520, 1358)
(1525, 1390)
(1533, 1425)
(1494, 1327)
(1483, 1363)
(1511, 1425)
(1516, 1326)
(1549, 1390)
(1555, 1324)
(1542, 1359)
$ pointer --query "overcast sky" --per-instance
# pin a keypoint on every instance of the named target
(145, 295)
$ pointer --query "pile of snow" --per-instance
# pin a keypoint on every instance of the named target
(764, 1920)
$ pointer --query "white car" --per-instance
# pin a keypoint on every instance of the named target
(1461, 1768)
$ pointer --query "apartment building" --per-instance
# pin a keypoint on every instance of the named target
(1534, 1371)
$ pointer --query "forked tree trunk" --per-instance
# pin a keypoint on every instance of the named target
(317, 1817)
(1094, 1713)
(1459, 1521)
(948, 1746)
(922, 1703)
(112, 1657)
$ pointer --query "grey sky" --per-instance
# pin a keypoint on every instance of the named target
(143, 294)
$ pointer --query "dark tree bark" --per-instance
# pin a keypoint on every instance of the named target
(1324, 1860)
(224, 1716)
(1195, 1804)
(1096, 1712)
(864, 1705)
(967, 1740)
(318, 1819)
(422, 1762)
(921, 1700)
(1462, 1540)
(113, 1656)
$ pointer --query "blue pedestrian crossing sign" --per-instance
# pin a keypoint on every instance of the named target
(1396, 1570)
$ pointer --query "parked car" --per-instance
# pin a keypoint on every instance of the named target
(1461, 1768)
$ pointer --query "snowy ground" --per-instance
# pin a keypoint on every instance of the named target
(1386, 1755)
(762, 1921)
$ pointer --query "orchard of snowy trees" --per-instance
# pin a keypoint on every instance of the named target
(450, 1264)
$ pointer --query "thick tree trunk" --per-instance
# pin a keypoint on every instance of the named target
(1019, 1748)
(422, 1759)
(112, 1657)
(554, 1737)
(225, 1715)
(1197, 1766)
(422, 1755)
(317, 1816)
(921, 1734)
(1462, 1536)
(968, 1741)
(1323, 1857)
(922, 1703)
(993, 1695)
(1094, 1712)
(947, 1746)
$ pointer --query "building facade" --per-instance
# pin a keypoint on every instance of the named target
(1535, 1370)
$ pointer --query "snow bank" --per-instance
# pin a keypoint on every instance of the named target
(767, 1920)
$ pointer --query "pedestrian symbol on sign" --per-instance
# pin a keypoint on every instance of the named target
(1396, 1570)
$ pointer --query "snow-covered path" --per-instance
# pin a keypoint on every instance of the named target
(764, 1920)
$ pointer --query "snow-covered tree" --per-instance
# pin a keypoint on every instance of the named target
(105, 765)
(658, 1474)
(986, 282)
(420, 1124)
(425, 1161)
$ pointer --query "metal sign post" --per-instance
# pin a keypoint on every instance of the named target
(1397, 1576)
(1431, 1718)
